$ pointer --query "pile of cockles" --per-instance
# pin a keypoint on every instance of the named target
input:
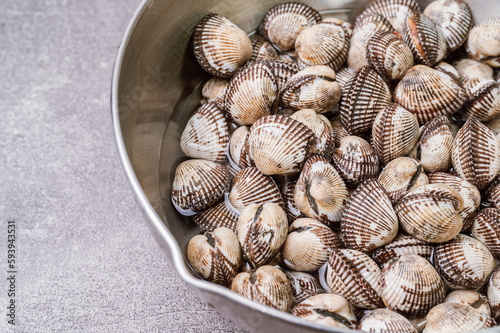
(345, 173)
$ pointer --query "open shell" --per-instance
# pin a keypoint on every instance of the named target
(435, 145)
(386, 321)
(454, 317)
(389, 55)
(394, 10)
(486, 228)
(402, 244)
(471, 298)
(321, 127)
(483, 43)
(303, 285)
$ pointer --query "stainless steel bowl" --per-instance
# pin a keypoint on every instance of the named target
(156, 87)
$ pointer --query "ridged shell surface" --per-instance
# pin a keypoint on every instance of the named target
(435, 144)
(471, 298)
(282, 71)
(338, 130)
(263, 50)
(385, 321)
(486, 228)
(402, 244)
(220, 46)
(484, 101)
(394, 10)
(447, 69)
(222, 214)
(483, 43)
(402, 175)
(492, 193)
(303, 285)
(288, 190)
(389, 55)
(493, 293)
(321, 127)
(453, 317)
(471, 72)
(339, 22)
(344, 75)
(214, 90)
(237, 143)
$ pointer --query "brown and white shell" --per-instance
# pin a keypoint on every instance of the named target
(222, 214)
(326, 309)
(340, 22)
(284, 22)
(303, 285)
(263, 50)
(486, 228)
(463, 262)
(320, 192)
(216, 255)
(492, 193)
(429, 93)
(455, 317)
(287, 191)
(493, 293)
(237, 144)
(220, 46)
(411, 286)
(198, 184)
(483, 43)
(386, 321)
(321, 127)
(206, 134)
(308, 245)
(471, 298)
(369, 220)
(282, 71)
(279, 145)
(484, 101)
(476, 154)
(435, 145)
(402, 244)
(363, 97)
(447, 69)
(214, 90)
(395, 131)
(312, 88)
(266, 285)
(388, 54)
(471, 72)
(344, 75)
(338, 130)
(250, 94)
(395, 11)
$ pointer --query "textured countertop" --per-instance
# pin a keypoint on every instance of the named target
(85, 259)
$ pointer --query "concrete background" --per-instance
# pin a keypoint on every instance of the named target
(86, 261)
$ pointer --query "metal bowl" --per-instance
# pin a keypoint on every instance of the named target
(156, 87)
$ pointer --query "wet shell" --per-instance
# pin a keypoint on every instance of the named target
(454, 317)
(471, 298)
(220, 46)
(282, 71)
(320, 192)
(215, 256)
(279, 145)
(389, 55)
(394, 10)
(402, 244)
(486, 228)
(492, 194)
(385, 321)
(326, 309)
(395, 131)
(483, 43)
(435, 145)
(283, 23)
(363, 97)
(308, 245)
(484, 101)
(344, 75)
(463, 262)
(356, 160)
(303, 285)
(321, 127)
(237, 143)
(312, 88)
(266, 285)
(198, 184)
(411, 286)
(431, 213)
(429, 93)
(222, 214)
(263, 50)
(214, 90)
(493, 293)
(472, 72)
(322, 44)
(369, 220)
(476, 154)
(251, 94)
(206, 134)
(250, 186)
(292, 211)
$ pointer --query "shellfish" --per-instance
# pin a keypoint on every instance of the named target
(386, 321)
(402, 244)
(486, 228)
(237, 143)
(435, 144)
(471, 298)
(394, 10)
(455, 317)
(344, 75)
(303, 285)
(493, 293)
(263, 50)
(471, 72)
(321, 127)
(492, 194)
(483, 43)
(222, 214)
(484, 101)
(214, 90)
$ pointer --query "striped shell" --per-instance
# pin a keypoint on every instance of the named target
(344, 75)
(266, 285)
(215, 256)
(288, 190)
(283, 23)
(222, 214)
(431, 213)
(388, 54)
(220, 46)
(322, 44)
(471, 298)
(486, 228)
(308, 245)
(214, 90)
(303, 285)
(320, 192)
(321, 127)
(463, 262)
(476, 154)
(279, 145)
(312, 88)
(484, 101)
(429, 93)
(339, 22)
(402, 244)
(338, 130)
(492, 194)
(411, 286)
(282, 71)
(237, 144)
(385, 321)
(206, 134)
(251, 94)
(454, 317)
(395, 131)
(288, 57)
(394, 10)
(363, 97)
(471, 72)
(483, 42)
(198, 184)
(326, 309)
(356, 160)
(263, 50)
(435, 144)
(369, 220)
(447, 69)
(454, 17)
(493, 293)
(262, 230)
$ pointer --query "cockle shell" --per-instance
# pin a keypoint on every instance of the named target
(206, 134)
(214, 90)
(326, 309)
(493, 293)
(395, 11)
(321, 127)
(385, 321)
(429, 93)
(334, 20)
(198, 184)
(320, 192)
(237, 143)
(303, 285)
(216, 255)
(263, 50)
(486, 228)
(402, 244)
(284, 22)
(338, 130)
(483, 43)
(222, 214)
(454, 317)
(220, 46)
(363, 97)
(288, 190)
(251, 94)
(369, 220)
(395, 131)
(279, 145)
(463, 262)
(476, 154)
(388, 54)
(308, 245)
(312, 88)
(266, 285)
(472, 72)
(447, 69)
(471, 298)
(288, 56)
(484, 101)
(492, 193)
(282, 71)
(344, 75)
(411, 286)
(435, 144)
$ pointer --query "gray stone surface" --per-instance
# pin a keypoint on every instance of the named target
(86, 261)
